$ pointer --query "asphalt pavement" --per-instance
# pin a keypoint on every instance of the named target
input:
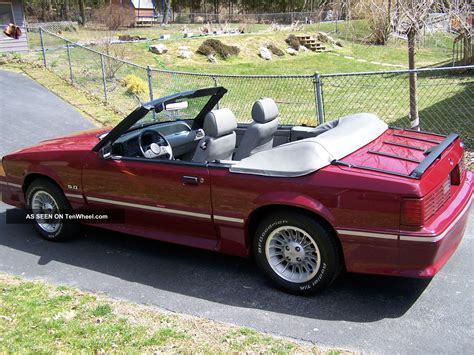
(367, 313)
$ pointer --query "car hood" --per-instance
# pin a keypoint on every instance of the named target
(84, 140)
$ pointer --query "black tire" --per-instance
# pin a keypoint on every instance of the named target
(66, 231)
(330, 259)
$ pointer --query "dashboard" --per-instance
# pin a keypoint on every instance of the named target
(179, 134)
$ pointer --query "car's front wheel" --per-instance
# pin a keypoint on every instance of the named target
(297, 253)
(48, 205)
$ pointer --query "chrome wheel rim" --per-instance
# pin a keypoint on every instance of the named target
(293, 254)
(42, 203)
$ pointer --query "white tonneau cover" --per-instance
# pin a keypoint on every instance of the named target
(308, 155)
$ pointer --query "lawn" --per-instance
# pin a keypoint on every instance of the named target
(36, 317)
(434, 49)
(445, 101)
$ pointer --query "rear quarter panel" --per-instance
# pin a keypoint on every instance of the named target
(348, 200)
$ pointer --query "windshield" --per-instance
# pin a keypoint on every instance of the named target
(179, 110)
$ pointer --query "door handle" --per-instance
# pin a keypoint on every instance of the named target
(190, 180)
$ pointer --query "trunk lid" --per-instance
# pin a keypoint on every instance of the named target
(436, 161)
(395, 151)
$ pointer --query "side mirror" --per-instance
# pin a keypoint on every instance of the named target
(106, 152)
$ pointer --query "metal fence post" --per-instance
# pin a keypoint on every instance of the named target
(150, 86)
(103, 76)
(69, 62)
(42, 46)
(318, 92)
(216, 85)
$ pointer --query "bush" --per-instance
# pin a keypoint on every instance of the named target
(114, 17)
(275, 50)
(214, 46)
(293, 42)
(134, 84)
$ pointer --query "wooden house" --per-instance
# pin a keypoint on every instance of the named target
(144, 10)
(11, 12)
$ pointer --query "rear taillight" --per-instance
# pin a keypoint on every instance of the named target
(416, 211)
(412, 213)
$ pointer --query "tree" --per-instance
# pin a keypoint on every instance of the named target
(408, 18)
(166, 15)
(460, 21)
(82, 12)
(412, 17)
(378, 15)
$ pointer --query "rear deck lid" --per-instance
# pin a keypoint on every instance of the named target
(401, 152)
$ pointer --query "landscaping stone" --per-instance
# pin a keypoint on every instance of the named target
(185, 54)
(265, 53)
(158, 48)
(324, 37)
(303, 49)
(212, 59)
(291, 51)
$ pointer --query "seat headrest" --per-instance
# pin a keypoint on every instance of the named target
(218, 123)
(264, 110)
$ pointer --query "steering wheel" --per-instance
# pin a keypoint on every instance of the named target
(154, 145)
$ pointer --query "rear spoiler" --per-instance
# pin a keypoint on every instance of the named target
(433, 154)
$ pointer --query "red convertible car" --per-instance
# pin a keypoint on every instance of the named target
(306, 202)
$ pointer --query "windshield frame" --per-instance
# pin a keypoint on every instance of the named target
(214, 93)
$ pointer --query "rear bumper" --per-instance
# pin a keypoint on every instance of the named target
(424, 254)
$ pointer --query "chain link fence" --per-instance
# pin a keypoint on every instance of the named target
(445, 96)
(262, 18)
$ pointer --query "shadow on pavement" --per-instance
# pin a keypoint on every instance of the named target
(215, 277)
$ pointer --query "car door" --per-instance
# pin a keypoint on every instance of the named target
(166, 200)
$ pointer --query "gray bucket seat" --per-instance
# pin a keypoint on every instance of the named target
(219, 141)
(259, 134)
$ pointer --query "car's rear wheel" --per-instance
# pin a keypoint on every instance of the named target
(298, 254)
(48, 205)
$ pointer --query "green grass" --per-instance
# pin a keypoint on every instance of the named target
(386, 95)
(36, 317)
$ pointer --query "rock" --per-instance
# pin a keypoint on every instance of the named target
(212, 59)
(165, 37)
(291, 51)
(128, 38)
(324, 37)
(184, 48)
(158, 48)
(303, 49)
(185, 54)
(265, 53)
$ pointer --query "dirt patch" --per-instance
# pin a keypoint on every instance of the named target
(293, 42)
(214, 46)
(275, 50)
